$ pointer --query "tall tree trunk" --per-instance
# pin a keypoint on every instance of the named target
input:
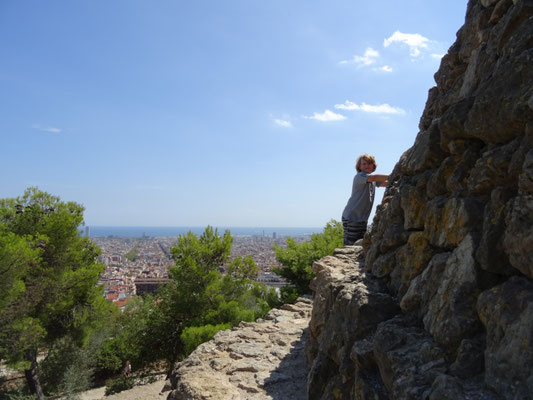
(31, 374)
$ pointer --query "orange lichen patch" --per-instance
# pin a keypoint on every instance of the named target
(448, 226)
(413, 258)
(413, 203)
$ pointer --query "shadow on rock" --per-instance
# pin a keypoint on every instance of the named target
(289, 380)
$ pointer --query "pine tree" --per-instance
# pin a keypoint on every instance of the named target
(48, 275)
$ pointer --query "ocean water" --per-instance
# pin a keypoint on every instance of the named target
(157, 231)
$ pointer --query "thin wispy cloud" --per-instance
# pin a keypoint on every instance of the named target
(437, 56)
(385, 68)
(283, 123)
(368, 58)
(414, 41)
(377, 109)
(42, 128)
(327, 116)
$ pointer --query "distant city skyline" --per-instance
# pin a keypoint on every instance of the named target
(161, 231)
(232, 113)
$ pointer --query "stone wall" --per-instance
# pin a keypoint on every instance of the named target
(439, 304)
(257, 360)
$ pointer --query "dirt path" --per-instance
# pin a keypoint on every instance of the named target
(151, 391)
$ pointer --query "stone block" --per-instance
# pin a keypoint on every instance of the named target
(490, 254)
(424, 286)
(411, 260)
(413, 202)
(507, 313)
(449, 220)
(518, 239)
(491, 169)
(408, 359)
(451, 314)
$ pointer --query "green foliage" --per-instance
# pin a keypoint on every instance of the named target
(62, 360)
(16, 394)
(132, 254)
(289, 294)
(68, 368)
(298, 258)
(127, 339)
(118, 384)
(200, 295)
(182, 302)
(49, 299)
(194, 336)
(48, 275)
(16, 256)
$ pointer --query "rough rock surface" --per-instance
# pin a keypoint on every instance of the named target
(438, 301)
(257, 360)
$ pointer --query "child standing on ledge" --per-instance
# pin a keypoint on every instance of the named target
(356, 213)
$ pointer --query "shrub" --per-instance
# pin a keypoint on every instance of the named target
(194, 336)
(118, 384)
(297, 258)
(67, 368)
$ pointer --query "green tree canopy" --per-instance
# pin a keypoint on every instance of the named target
(297, 259)
(48, 275)
(200, 296)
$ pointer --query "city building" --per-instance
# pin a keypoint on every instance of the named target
(148, 285)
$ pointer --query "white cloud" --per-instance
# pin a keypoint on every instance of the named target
(437, 56)
(385, 68)
(368, 58)
(283, 123)
(46, 128)
(378, 109)
(415, 41)
(327, 116)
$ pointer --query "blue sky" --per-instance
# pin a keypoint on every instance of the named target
(229, 113)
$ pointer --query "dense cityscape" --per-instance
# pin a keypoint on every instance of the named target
(135, 265)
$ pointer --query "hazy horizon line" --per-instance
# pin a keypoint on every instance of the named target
(201, 226)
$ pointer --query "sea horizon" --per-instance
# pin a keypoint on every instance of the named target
(161, 231)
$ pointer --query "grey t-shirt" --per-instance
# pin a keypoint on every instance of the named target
(360, 202)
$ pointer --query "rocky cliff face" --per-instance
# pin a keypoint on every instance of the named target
(439, 303)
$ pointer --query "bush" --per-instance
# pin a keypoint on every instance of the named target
(194, 336)
(289, 294)
(16, 394)
(67, 368)
(297, 258)
(127, 340)
(118, 384)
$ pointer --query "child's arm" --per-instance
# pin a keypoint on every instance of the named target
(381, 180)
(377, 178)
